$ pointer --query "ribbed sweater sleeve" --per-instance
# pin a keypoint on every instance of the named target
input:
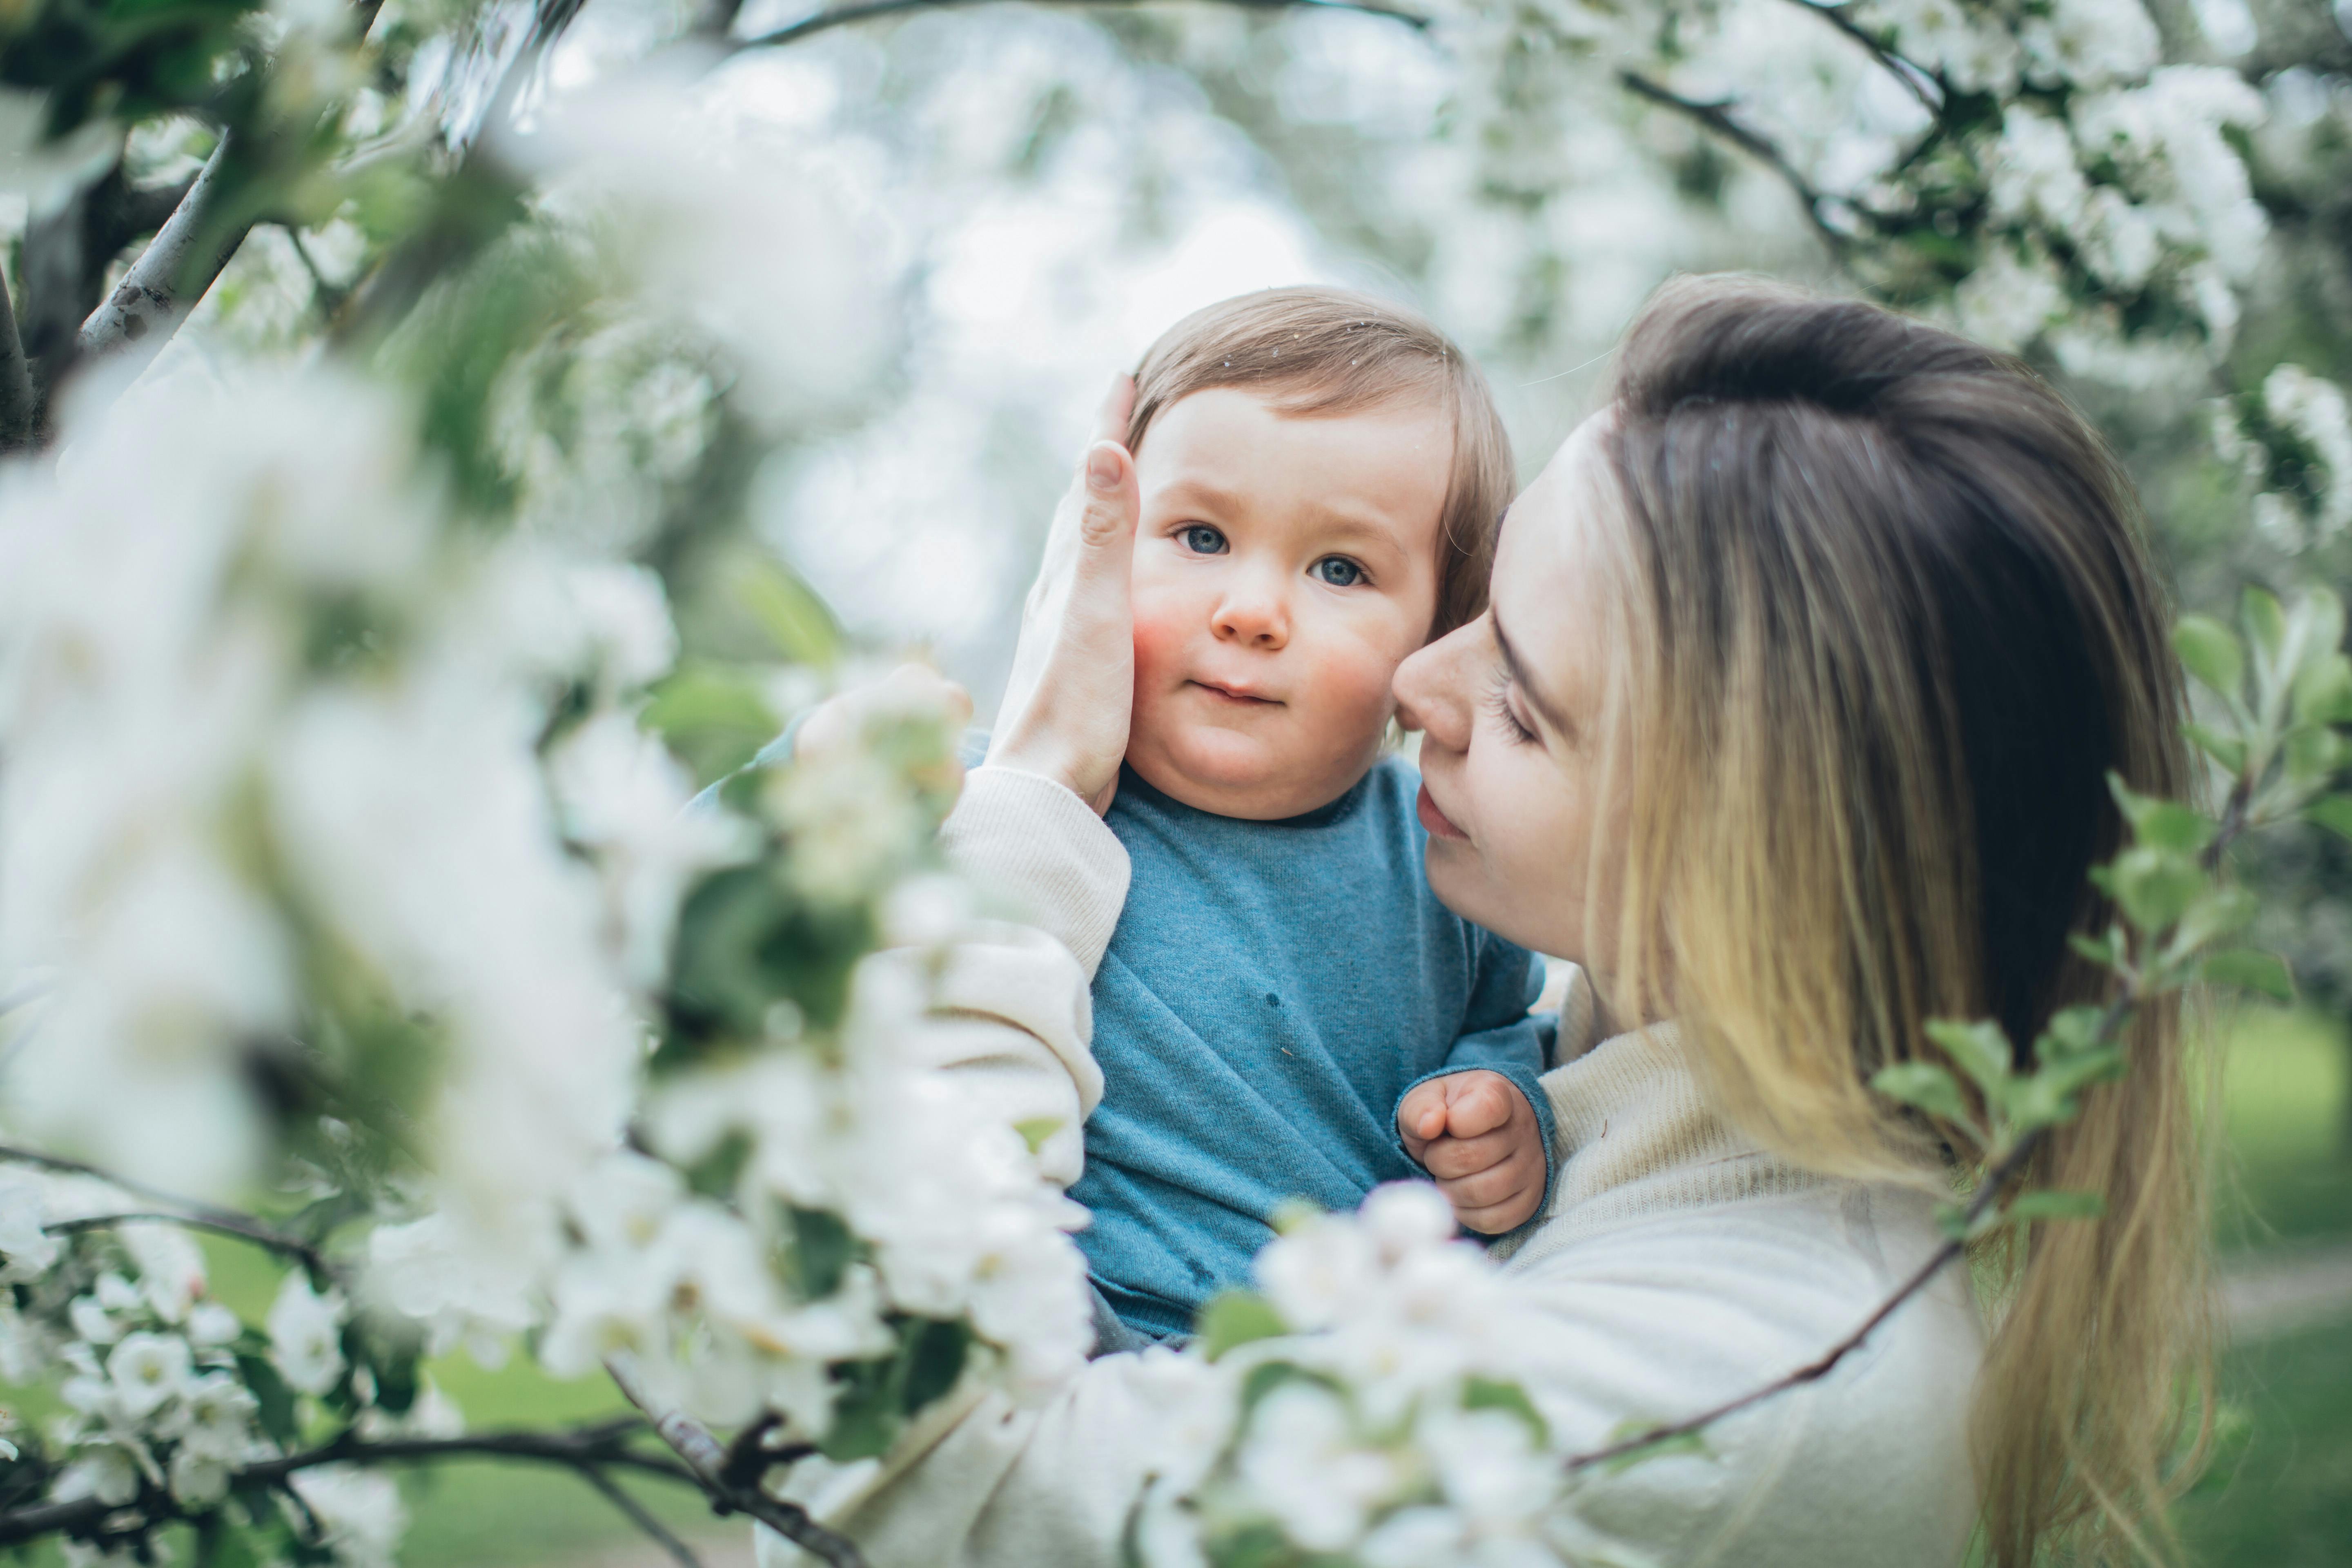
(1032, 844)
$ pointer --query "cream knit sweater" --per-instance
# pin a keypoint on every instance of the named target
(1677, 1265)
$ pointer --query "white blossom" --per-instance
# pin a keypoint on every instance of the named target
(359, 1511)
(198, 1479)
(26, 1249)
(306, 1336)
(147, 1370)
(2088, 43)
(107, 1471)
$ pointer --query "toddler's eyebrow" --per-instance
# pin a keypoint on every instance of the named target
(1536, 696)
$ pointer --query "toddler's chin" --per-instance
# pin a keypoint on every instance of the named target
(1232, 774)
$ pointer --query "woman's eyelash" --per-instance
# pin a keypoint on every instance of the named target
(1499, 701)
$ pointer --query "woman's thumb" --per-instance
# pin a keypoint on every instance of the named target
(1108, 520)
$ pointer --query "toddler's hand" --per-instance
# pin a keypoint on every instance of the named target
(1475, 1132)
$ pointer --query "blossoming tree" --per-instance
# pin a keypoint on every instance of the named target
(380, 376)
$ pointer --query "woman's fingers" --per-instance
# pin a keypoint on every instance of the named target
(1118, 408)
(1073, 685)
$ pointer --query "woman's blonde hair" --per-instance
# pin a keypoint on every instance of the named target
(1888, 623)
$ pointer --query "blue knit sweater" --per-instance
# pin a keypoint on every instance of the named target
(1272, 991)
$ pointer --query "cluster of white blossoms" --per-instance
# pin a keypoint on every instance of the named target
(156, 1382)
(2296, 456)
(1380, 1422)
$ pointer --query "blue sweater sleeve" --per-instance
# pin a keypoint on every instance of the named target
(1501, 1037)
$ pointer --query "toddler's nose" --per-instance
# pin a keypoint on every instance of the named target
(1254, 615)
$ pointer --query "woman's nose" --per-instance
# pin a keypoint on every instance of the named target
(1253, 613)
(1432, 687)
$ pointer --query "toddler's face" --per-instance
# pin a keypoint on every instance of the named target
(1283, 567)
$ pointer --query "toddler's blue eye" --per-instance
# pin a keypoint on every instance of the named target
(1203, 540)
(1339, 571)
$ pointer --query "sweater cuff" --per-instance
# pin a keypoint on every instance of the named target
(1026, 839)
(1531, 1089)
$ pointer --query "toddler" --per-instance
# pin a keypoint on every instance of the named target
(1284, 1010)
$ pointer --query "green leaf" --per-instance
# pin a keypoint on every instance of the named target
(794, 618)
(2072, 1032)
(273, 1400)
(2052, 1203)
(2323, 692)
(2311, 753)
(2317, 630)
(1924, 1085)
(2099, 950)
(1036, 1129)
(2225, 749)
(1488, 1394)
(2211, 653)
(2155, 887)
(2216, 913)
(2332, 812)
(1236, 1317)
(2264, 621)
(1980, 1048)
(2051, 1097)
(822, 1250)
(934, 1355)
(2249, 969)
(2162, 823)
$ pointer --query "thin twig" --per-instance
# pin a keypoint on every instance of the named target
(584, 1448)
(12, 1153)
(1920, 83)
(842, 17)
(243, 1229)
(707, 1456)
(1716, 117)
(638, 1515)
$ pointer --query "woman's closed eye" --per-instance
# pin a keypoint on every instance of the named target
(1202, 540)
(1337, 570)
(1498, 704)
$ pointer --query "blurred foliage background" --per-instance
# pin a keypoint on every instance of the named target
(1029, 195)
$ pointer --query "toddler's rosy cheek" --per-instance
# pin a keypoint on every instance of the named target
(1161, 630)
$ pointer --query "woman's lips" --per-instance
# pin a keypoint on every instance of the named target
(1440, 826)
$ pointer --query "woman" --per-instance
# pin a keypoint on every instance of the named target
(1789, 719)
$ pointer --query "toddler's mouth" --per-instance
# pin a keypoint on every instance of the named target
(1235, 694)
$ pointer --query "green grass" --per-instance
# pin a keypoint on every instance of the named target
(2286, 1087)
(2281, 1496)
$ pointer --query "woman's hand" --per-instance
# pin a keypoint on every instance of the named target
(1072, 689)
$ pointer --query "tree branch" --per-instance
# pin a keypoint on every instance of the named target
(585, 1449)
(476, 201)
(1920, 83)
(825, 21)
(708, 1458)
(174, 272)
(680, 1551)
(1716, 117)
(218, 1224)
(176, 1210)
(19, 417)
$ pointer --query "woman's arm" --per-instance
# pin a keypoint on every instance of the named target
(1014, 1017)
